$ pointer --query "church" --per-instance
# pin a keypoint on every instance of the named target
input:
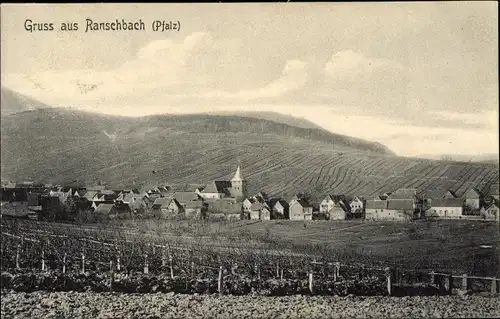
(235, 188)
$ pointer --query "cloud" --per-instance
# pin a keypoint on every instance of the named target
(351, 65)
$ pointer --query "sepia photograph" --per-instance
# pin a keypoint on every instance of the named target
(250, 160)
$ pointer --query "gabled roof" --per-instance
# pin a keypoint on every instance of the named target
(447, 202)
(491, 205)
(274, 201)
(472, 193)
(404, 193)
(175, 202)
(195, 204)
(162, 201)
(104, 208)
(184, 197)
(224, 206)
(303, 203)
(250, 199)
(401, 204)
(90, 195)
(256, 206)
(219, 187)
(376, 204)
(237, 176)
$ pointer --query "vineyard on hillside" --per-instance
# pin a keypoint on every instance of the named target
(278, 165)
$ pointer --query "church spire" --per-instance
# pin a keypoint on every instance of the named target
(237, 176)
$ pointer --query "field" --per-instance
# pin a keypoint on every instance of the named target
(278, 159)
(112, 305)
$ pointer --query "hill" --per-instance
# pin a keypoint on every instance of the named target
(62, 145)
(12, 102)
(273, 116)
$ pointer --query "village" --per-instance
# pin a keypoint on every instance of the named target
(229, 200)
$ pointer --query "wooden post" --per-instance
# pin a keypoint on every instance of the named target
(118, 264)
(433, 277)
(281, 274)
(64, 263)
(111, 275)
(17, 256)
(465, 283)
(192, 269)
(146, 265)
(163, 258)
(43, 260)
(337, 271)
(311, 283)
(449, 284)
(494, 286)
(219, 284)
(277, 269)
(388, 276)
(83, 262)
(171, 266)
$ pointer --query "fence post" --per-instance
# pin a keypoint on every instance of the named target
(146, 265)
(277, 269)
(118, 265)
(281, 274)
(171, 266)
(64, 262)
(163, 258)
(17, 256)
(388, 276)
(43, 260)
(192, 269)
(311, 282)
(83, 262)
(433, 277)
(494, 286)
(337, 271)
(219, 284)
(465, 283)
(111, 275)
(448, 283)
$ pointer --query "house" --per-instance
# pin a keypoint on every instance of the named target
(399, 210)
(216, 190)
(491, 212)
(247, 204)
(255, 210)
(235, 188)
(185, 197)
(260, 211)
(265, 213)
(300, 210)
(445, 208)
(195, 210)
(280, 209)
(172, 209)
(160, 204)
(375, 208)
(295, 198)
(341, 211)
(104, 209)
(472, 199)
(225, 208)
(329, 202)
(357, 205)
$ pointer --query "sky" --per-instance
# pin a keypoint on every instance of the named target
(420, 78)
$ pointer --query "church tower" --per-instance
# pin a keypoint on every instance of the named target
(238, 185)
